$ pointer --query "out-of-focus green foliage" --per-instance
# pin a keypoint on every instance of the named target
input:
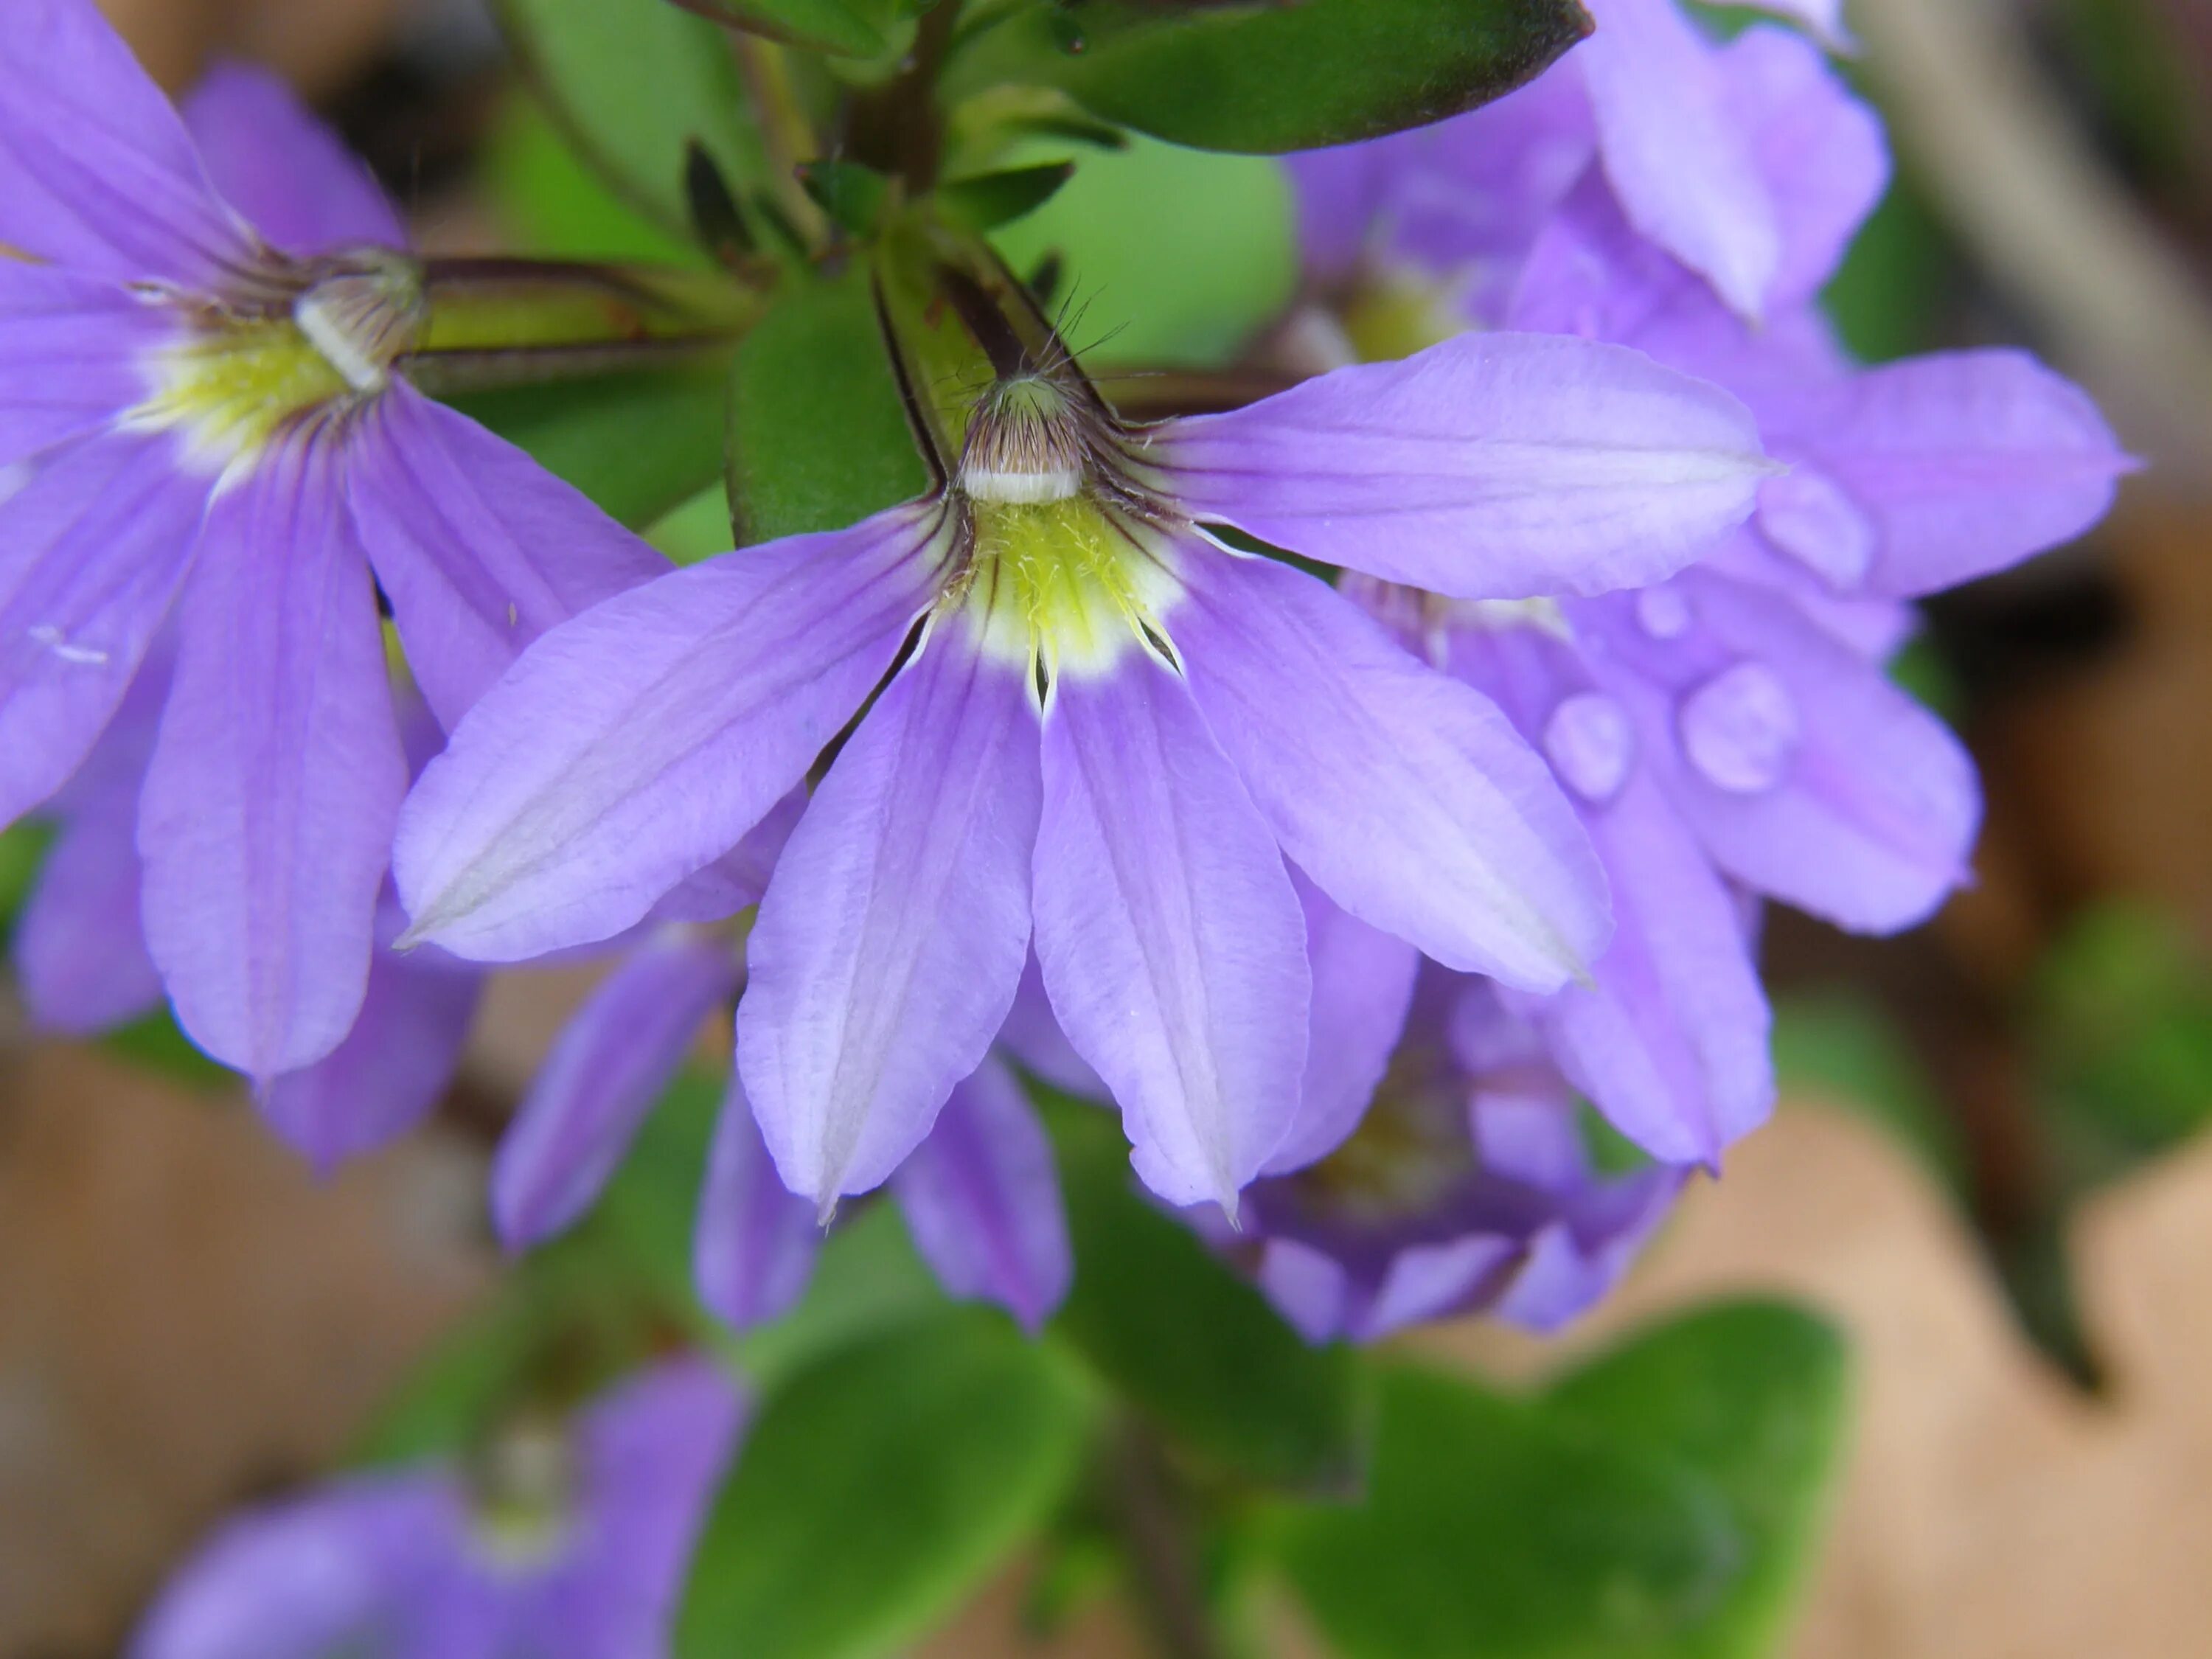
(1661, 1502)
(634, 84)
(2122, 1034)
(1266, 78)
(1169, 256)
(1190, 1345)
(880, 1484)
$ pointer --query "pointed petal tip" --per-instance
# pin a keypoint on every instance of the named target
(825, 1208)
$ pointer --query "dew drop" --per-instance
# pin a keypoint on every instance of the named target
(1590, 746)
(1664, 612)
(1740, 729)
(1807, 515)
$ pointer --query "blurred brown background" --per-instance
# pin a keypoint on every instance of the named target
(1990, 1174)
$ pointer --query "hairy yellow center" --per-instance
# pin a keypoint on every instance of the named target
(1070, 585)
(239, 375)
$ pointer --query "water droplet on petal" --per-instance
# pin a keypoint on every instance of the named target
(1740, 729)
(1807, 515)
(1590, 746)
(1664, 612)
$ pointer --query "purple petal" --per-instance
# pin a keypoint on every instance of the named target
(479, 549)
(283, 169)
(653, 1452)
(1407, 796)
(80, 950)
(277, 778)
(736, 880)
(1964, 463)
(72, 352)
(1309, 1289)
(92, 547)
(1824, 17)
(101, 176)
(1573, 1263)
(1032, 1036)
(1428, 1281)
(893, 932)
(1807, 775)
(610, 1064)
(1492, 466)
(757, 1239)
(1168, 931)
(982, 1198)
(1669, 1039)
(1680, 162)
(302, 1580)
(391, 1071)
(1362, 986)
(1339, 190)
(631, 747)
(81, 957)
(1819, 147)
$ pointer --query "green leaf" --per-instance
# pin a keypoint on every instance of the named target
(22, 852)
(640, 445)
(990, 199)
(1496, 1527)
(817, 25)
(817, 437)
(854, 195)
(634, 83)
(878, 1487)
(1659, 1504)
(1752, 1396)
(1265, 78)
(1188, 1342)
(1173, 257)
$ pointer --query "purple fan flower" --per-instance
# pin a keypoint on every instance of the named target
(1465, 1188)
(1102, 723)
(201, 428)
(981, 1196)
(1731, 728)
(567, 1542)
(1646, 96)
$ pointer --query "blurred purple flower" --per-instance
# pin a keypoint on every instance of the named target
(1730, 728)
(1647, 97)
(1465, 1188)
(201, 425)
(567, 1542)
(1107, 723)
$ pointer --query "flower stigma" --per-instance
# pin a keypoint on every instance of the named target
(290, 342)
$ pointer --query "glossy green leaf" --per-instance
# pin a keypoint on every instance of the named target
(1660, 1503)
(1190, 1344)
(1494, 1526)
(878, 1487)
(818, 436)
(1752, 1397)
(634, 84)
(1265, 78)
(991, 199)
(1172, 256)
(640, 445)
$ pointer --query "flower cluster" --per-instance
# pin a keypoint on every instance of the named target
(1367, 789)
